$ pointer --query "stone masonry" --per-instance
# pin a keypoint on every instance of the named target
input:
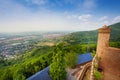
(109, 57)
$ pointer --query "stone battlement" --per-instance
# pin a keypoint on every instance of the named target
(104, 29)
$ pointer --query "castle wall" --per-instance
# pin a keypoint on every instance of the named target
(109, 57)
(103, 39)
(110, 63)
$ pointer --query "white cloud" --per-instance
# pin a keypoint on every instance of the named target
(72, 16)
(116, 19)
(106, 22)
(16, 17)
(88, 21)
(37, 2)
(103, 18)
(84, 17)
(10, 9)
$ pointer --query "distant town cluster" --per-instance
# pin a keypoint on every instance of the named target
(19, 44)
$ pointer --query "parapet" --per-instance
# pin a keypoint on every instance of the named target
(104, 29)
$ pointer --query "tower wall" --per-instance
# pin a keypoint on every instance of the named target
(103, 39)
(109, 61)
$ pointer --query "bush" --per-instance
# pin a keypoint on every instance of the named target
(57, 68)
(97, 75)
(93, 53)
(71, 59)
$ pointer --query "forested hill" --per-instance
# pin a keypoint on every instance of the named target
(91, 36)
(115, 32)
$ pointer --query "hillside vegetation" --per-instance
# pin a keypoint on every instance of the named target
(89, 37)
(115, 32)
(27, 64)
(59, 56)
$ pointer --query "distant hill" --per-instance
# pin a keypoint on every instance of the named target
(91, 36)
(115, 34)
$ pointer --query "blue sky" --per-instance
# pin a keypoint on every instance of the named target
(57, 15)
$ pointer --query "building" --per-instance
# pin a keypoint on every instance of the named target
(109, 57)
(41, 75)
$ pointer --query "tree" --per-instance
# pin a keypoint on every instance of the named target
(57, 68)
(7, 75)
(71, 59)
(19, 74)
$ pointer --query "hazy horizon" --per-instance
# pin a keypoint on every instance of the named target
(57, 15)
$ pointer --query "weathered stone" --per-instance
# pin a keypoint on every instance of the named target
(109, 57)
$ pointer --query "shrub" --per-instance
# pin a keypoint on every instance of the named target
(71, 59)
(97, 75)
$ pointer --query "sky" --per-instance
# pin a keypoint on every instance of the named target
(57, 15)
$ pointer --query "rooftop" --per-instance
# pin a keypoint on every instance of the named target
(83, 58)
(41, 75)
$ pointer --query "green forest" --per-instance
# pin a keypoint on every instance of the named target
(39, 58)
(58, 57)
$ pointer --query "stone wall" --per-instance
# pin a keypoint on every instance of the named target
(103, 39)
(109, 57)
(110, 64)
